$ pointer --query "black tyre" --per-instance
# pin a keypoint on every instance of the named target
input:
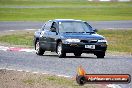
(60, 50)
(81, 80)
(100, 54)
(39, 50)
(77, 54)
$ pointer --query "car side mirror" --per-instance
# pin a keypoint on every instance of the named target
(95, 30)
(53, 29)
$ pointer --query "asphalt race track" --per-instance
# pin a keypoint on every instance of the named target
(21, 25)
(50, 63)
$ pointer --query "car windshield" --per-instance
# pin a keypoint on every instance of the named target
(74, 26)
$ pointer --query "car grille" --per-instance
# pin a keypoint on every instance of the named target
(89, 41)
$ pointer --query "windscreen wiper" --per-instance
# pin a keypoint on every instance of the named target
(69, 32)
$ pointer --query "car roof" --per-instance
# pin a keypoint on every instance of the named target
(62, 20)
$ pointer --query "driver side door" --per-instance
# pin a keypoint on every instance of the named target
(44, 37)
(52, 37)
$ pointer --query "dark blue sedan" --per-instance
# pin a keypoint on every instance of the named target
(69, 36)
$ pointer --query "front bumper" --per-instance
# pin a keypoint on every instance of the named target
(80, 47)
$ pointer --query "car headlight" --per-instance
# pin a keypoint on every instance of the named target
(72, 40)
(103, 40)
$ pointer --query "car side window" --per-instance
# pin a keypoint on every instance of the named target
(54, 24)
(54, 27)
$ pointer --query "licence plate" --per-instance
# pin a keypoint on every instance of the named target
(90, 46)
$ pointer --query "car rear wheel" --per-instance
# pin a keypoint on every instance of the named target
(39, 50)
(60, 50)
(100, 54)
(77, 54)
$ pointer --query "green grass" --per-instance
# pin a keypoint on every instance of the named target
(118, 40)
(79, 9)
(17, 39)
(53, 13)
(21, 38)
(61, 3)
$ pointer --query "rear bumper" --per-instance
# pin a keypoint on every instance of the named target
(71, 48)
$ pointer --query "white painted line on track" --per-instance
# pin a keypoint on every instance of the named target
(27, 71)
(3, 48)
(30, 29)
(64, 76)
(9, 69)
(11, 30)
(28, 50)
(23, 29)
(20, 70)
(35, 72)
(44, 73)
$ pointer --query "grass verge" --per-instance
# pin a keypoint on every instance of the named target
(24, 10)
(20, 38)
(15, 79)
(118, 40)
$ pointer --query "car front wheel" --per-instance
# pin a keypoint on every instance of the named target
(60, 50)
(39, 50)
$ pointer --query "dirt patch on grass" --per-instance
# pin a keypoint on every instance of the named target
(16, 79)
